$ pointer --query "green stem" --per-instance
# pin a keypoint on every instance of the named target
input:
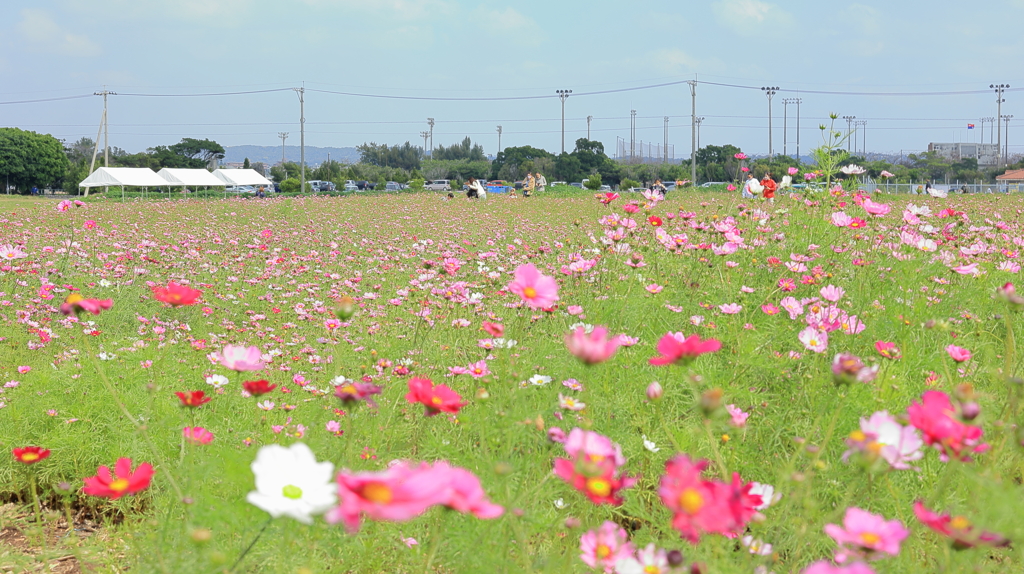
(251, 544)
(36, 509)
(435, 543)
(715, 450)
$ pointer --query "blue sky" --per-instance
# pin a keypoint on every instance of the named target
(493, 49)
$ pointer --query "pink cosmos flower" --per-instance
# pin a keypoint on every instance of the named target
(936, 418)
(882, 435)
(478, 369)
(24, 369)
(436, 398)
(793, 171)
(730, 308)
(11, 252)
(888, 350)
(494, 329)
(958, 354)
(814, 340)
(958, 529)
(574, 310)
(650, 560)
(593, 467)
(826, 567)
(677, 348)
(197, 435)
(740, 155)
(969, 269)
(738, 417)
(400, 493)
(866, 535)
(694, 502)
(64, 205)
(730, 187)
(770, 309)
(465, 495)
(239, 358)
(654, 288)
(595, 347)
(603, 547)
(536, 290)
(832, 293)
(876, 209)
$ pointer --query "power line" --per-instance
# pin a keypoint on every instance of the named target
(47, 100)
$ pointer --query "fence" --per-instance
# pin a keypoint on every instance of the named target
(643, 152)
(952, 187)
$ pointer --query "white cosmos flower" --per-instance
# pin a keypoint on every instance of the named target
(539, 380)
(217, 381)
(290, 482)
(560, 504)
(649, 444)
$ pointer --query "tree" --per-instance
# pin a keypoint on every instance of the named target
(718, 163)
(245, 164)
(593, 182)
(405, 156)
(202, 151)
(567, 167)
(31, 159)
(513, 157)
(466, 150)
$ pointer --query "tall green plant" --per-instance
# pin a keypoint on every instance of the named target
(830, 154)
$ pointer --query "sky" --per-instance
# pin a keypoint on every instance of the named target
(472, 58)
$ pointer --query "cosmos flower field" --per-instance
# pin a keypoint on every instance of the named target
(575, 384)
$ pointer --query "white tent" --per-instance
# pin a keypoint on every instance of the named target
(190, 177)
(123, 176)
(241, 177)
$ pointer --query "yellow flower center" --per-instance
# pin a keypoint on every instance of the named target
(529, 292)
(959, 523)
(602, 551)
(858, 436)
(599, 486)
(436, 400)
(870, 538)
(119, 485)
(74, 298)
(377, 492)
(348, 390)
(691, 501)
(291, 491)
(29, 457)
(652, 569)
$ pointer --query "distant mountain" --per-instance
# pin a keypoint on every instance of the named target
(271, 155)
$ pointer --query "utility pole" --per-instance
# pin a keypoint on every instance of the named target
(563, 95)
(430, 122)
(424, 135)
(1006, 144)
(104, 128)
(632, 135)
(283, 136)
(698, 120)
(694, 126)
(302, 135)
(499, 141)
(849, 129)
(589, 118)
(665, 151)
(864, 139)
(999, 88)
(798, 102)
(991, 134)
(770, 92)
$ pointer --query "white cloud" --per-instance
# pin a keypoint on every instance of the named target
(750, 15)
(866, 23)
(42, 34)
(675, 61)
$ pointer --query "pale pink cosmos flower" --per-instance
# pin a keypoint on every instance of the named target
(654, 288)
(536, 289)
(738, 417)
(569, 403)
(730, 308)
(793, 171)
(478, 369)
(574, 309)
(24, 369)
(604, 547)
(814, 340)
(465, 494)
(876, 209)
(11, 252)
(969, 269)
(900, 445)
(592, 446)
(650, 560)
(594, 347)
(627, 341)
(239, 358)
(832, 293)
(866, 535)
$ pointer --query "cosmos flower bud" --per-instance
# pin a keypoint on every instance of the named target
(654, 391)
(970, 411)
(675, 558)
(711, 401)
(346, 308)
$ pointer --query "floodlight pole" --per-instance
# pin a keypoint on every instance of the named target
(770, 93)
(999, 88)
(283, 136)
(430, 122)
(499, 141)
(849, 129)
(694, 126)
(785, 125)
(563, 95)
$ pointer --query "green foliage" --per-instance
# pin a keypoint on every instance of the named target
(507, 164)
(30, 159)
(593, 182)
(405, 156)
(465, 151)
(246, 165)
(567, 167)
(291, 185)
(627, 184)
(417, 184)
(718, 163)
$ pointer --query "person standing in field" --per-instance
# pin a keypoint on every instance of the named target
(769, 187)
(528, 185)
(747, 192)
(541, 182)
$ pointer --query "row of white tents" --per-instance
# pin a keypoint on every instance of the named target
(168, 177)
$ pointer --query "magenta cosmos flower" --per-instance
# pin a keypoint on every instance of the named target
(866, 535)
(594, 347)
(238, 358)
(958, 354)
(826, 567)
(536, 289)
(677, 348)
(400, 493)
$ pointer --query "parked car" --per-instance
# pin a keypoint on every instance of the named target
(713, 183)
(553, 184)
(577, 184)
(363, 185)
(240, 189)
(438, 185)
(605, 188)
(351, 187)
(393, 186)
(638, 189)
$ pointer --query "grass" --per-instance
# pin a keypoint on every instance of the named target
(271, 270)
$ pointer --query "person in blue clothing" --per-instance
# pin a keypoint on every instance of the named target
(35, 190)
